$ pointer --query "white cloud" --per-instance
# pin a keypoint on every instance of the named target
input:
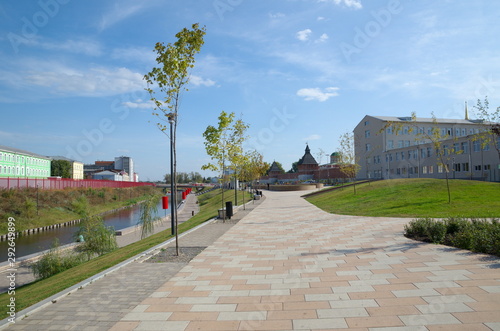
(304, 34)
(316, 94)
(355, 4)
(198, 81)
(322, 39)
(92, 82)
(139, 104)
(119, 13)
(313, 137)
(276, 15)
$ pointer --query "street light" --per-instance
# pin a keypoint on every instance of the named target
(173, 198)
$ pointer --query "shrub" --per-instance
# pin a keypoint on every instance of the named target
(54, 261)
(417, 229)
(80, 206)
(98, 238)
(436, 231)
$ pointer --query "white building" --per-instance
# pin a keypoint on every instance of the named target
(125, 163)
(382, 153)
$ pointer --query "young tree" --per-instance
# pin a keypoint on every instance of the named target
(348, 162)
(443, 152)
(491, 124)
(237, 157)
(223, 144)
(166, 84)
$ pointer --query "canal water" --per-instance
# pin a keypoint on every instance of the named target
(29, 244)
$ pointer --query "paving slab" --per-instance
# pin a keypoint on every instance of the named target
(289, 266)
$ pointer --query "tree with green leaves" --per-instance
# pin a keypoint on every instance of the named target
(168, 81)
(224, 144)
(238, 158)
(490, 135)
(295, 168)
(348, 163)
(60, 168)
(435, 136)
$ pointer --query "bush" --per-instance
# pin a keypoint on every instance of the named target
(482, 236)
(98, 239)
(54, 261)
(80, 206)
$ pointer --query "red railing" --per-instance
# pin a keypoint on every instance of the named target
(59, 184)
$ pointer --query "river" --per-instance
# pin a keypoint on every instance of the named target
(29, 244)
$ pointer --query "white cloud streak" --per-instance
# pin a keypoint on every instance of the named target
(304, 34)
(317, 94)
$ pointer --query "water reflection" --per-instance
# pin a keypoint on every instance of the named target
(26, 245)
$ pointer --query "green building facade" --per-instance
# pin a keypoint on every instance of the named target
(22, 164)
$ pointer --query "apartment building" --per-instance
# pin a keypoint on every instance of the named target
(384, 151)
(16, 162)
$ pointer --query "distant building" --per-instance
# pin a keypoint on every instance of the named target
(308, 169)
(125, 163)
(16, 162)
(76, 167)
(382, 153)
(108, 175)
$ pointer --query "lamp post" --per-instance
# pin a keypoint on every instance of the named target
(173, 194)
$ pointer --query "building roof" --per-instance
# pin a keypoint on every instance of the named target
(104, 162)
(427, 120)
(274, 167)
(20, 151)
(58, 157)
(307, 158)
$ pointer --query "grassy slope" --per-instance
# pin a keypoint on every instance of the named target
(414, 198)
(35, 292)
(57, 206)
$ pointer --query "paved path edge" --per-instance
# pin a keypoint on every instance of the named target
(42, 304)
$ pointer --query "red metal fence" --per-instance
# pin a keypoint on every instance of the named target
(58, 184)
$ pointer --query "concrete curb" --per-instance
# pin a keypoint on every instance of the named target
(53, 299)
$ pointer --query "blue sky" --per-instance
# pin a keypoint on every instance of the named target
(297, 71)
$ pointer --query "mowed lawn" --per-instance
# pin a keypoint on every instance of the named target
(414, 198)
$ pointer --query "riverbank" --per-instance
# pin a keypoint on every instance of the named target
(38, 209)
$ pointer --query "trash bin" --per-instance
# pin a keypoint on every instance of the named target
(229, 209)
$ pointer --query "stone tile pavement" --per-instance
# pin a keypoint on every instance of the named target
(290, 266)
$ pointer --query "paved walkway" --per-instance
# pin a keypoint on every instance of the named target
(24, 274)
(290, 266)
(107, 300)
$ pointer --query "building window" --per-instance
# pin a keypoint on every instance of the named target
(445, 150)
(367, 122)
(422, 153)
(465, 166)
(397, 156)
(367, 134)
(440, 169)
(402, 155)
(390, 157)
(389, 130)
(486, 147)
(431, 169)
(487, 167)
(390, 144)
(407, 143)
(429, 152)
(400, 144)
(424, 169)
(456, 167)
(464, 147)
(368, 147)
(477, 168)
(415, 154)
(405, 130)
(464, 132)
(476, 146)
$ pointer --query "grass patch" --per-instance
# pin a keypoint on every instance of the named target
(33, 209)
(414, 198)
(35, 292)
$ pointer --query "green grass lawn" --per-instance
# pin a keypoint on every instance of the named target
(35, 292)
(414, 198)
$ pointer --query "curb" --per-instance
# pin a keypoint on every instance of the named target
(53, 299)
